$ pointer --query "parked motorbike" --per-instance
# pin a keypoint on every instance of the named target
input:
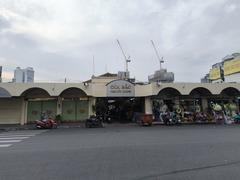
(46, 124)
(219, 117)
(200, 117)
(188, 116)
(170, 118)
(94, 121)
(236, 119)
(107, 118)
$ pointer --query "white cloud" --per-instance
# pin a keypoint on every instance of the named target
(187, 33)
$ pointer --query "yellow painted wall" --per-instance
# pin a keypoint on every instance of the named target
(215, 73)
(231, 67)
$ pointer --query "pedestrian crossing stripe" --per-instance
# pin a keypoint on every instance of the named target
(9, 141)
(8, 138)
(13, 134)
(5, 145)
(24, 135)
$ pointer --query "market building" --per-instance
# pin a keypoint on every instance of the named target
(22, 103)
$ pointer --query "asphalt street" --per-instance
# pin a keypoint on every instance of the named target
(122, 152)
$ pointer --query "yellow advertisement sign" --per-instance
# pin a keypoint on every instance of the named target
(231, 67)
(214, 74)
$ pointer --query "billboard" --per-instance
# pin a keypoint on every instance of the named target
(231, 67)
(215, 74)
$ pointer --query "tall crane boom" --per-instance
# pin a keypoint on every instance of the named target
(158, 57)
(127, 60)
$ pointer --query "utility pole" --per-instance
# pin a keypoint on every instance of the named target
(106, 68)
(93, 65)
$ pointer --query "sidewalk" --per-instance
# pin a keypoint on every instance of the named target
(15, 127)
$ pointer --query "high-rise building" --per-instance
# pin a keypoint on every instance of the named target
(216, 73)
(162, 76)
(231, 68)
(227, 70)
(28, 75)
(205, 79)
(23, 75)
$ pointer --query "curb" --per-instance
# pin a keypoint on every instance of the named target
(4, 129)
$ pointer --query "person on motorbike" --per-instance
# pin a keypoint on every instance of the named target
(163, 112)
(44, 116)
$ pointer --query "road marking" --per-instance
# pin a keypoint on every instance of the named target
(9, 138)
(5, 145)
(6, 138)
(24, 135)
(10, 141)
(21, 133)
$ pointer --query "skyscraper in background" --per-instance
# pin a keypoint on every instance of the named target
(23, 75)
(227, 70)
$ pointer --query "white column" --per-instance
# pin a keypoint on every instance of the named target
(26, 112)
(204, 104)
(148, 105)
(23, 112)
(59, 106)
(91, 103)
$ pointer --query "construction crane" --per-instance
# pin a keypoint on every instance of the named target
(127, 59)
(158, 57)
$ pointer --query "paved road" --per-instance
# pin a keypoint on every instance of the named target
(127, 152)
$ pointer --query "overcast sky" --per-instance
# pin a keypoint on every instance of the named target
(59, 38)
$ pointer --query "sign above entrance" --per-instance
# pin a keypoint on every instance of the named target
(120, 88)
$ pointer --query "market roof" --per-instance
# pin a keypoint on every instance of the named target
(101, 76)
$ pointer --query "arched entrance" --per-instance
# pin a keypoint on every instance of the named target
(200, 92)
(227, 95)
(75, 104)
(120, 105)
(230, 92)
(167, 96)
(230, 95)
(198, 99)
(120, 109)
(39, 101)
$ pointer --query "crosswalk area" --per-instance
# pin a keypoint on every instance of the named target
(8, 139)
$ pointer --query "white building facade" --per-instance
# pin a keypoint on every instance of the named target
(228, 70)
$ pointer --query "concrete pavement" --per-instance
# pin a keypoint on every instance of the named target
(126, 152)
